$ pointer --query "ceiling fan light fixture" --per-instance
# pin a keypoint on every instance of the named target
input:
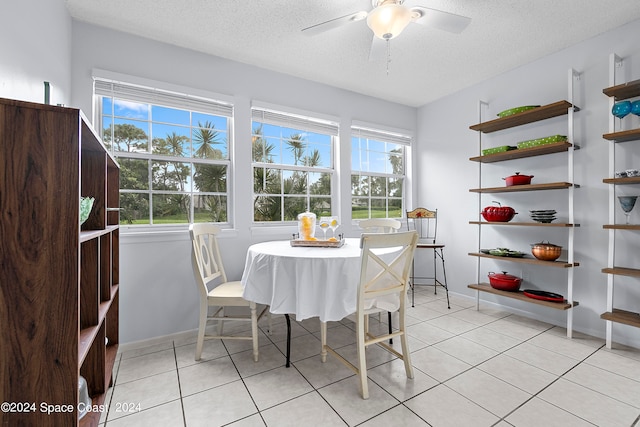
(388, 20)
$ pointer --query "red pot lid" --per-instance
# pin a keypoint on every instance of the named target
(503, 276)
(518, 174)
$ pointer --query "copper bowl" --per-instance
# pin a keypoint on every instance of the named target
(546, 251)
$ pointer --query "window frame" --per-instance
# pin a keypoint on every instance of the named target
(302, 121)
(377, 134)
(157, 94)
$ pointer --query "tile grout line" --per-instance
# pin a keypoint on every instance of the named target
(175, 361)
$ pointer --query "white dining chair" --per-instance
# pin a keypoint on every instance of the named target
(382, 287)
(215, 291)
(381, 225)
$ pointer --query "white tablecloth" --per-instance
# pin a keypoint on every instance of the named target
(305, 281)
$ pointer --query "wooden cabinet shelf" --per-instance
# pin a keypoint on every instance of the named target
(526, 224)
(623, 136)
(521, 153)
(544, 112)
(88, 334)
(63, 302)
(528, 187)
(622, 271)
(520, 296)
(85, 236)
(622, 316)
(527, 260)
(623, 91)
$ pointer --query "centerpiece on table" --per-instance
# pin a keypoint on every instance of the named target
(307, 229)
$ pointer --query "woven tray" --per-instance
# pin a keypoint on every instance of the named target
(317, 243)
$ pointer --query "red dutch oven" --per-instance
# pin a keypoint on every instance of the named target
(518, 179)
(498, 213)
(504, 282)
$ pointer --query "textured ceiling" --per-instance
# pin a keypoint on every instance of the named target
(426, 63)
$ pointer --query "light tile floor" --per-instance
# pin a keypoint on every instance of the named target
(472, 368)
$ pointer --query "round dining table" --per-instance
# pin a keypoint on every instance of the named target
(305, 281)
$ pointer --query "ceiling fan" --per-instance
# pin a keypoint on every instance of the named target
(389, 17)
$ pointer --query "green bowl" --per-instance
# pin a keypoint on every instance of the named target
(516, 110)
(86, 203)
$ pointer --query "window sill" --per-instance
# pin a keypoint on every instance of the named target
(130, 234)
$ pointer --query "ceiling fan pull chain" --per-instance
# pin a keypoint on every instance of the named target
(388, 54)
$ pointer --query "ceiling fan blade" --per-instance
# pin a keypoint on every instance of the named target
(441, 20)
(378, 50)
(334, 23)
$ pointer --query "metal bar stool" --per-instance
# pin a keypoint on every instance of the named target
(425, 222)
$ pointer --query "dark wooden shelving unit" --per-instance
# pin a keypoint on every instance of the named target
(622, 181)
(622, 316)
(528, 187)
(622, 271)
(526, 224)
(621, 227)
(556, 109)
(526, 260)
(617, 93)
(623, 91)
(544, 112)
(623, 135)
(61, 306)
(520, 153)
(520, 296)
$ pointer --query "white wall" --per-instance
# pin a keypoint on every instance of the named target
(35, 44)
(158, 293)
(445, 144)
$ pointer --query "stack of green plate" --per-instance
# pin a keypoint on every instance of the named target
(500, 149)
(542, 141)
(516, 110)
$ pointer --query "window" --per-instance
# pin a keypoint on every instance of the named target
(293, 165)
(378, 173)
(173, 150)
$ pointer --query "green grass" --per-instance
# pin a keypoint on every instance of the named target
(171, 219)
(356, 214)
(375, 213)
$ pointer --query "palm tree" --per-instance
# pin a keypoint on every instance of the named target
(207, 136)
(212, 178)
(266, 181)
(296, 145)
(261, 149)
(312, 160)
